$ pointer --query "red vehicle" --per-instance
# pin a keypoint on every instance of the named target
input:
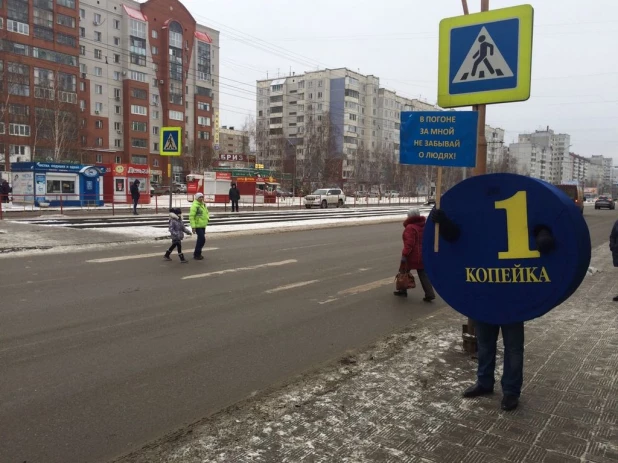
(575, 192)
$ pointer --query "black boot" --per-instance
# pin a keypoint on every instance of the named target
(476, 391)
(167, 255)
(509, 402)
(615, 299)
(182, 259)
(402, 293)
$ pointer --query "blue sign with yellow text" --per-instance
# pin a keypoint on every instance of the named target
(439, 138)
(494, 272)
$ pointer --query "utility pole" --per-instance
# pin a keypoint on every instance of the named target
(468, 331)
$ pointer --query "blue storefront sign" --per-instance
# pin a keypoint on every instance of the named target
(438, 138)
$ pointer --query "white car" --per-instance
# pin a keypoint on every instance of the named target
(324, 198)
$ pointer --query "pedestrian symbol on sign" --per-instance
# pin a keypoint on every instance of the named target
(483, 62)
(170, 144)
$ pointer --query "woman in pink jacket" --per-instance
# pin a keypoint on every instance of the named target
(412, 254)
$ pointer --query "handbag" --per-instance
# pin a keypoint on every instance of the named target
(404, 281)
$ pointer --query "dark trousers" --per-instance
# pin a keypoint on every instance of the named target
(176, 244)
(234, 205)
(426, 284)
(201, 241)
(513, 337)
(135, 201)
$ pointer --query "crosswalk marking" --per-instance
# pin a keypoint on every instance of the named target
(136, 256)
(240, 269)
(291, 286)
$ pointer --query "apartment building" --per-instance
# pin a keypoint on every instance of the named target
(495, 145)
(107, 75)
(356, 112)
(233, 141)
(544, 155)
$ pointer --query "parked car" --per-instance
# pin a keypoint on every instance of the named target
(605, 202)
(281, 193)
(180, 188)
(158, 189)
(325, 197)
(392, 194)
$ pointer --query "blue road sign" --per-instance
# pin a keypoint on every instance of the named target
(439, 138)
(485, 57)
(494, 272)
(170, 141)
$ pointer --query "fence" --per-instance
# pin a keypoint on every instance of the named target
(76, 204)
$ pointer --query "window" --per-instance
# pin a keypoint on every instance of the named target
(98, 89)
(97, 19)
(203, 61)
(154, 50)
(138, 28)
(319, 95)
(117, 110)
(203, 106)
(175, 35)
(138, 76)
(82, 50)
(118, 159)
(117, 24)
(277, 88)
(202, 135)
(201, 120)
(19, 130)
(155, 34)
(98, 36)
(82, 86)
(155, 114)
(117, 126)
(82, 32)
(352, 117)
(117, 41)
(139, 143)
(139, 110)
(142, 160)
(117, 75)
(98, 141)
(139, 126)
(155, 130)
(176, 116)
(155, 147)
(64, 20)
(60, 186)
(139, 60)
(18, 79)
(82, 13)
(98, 107)
(116, 58)
(98, 124)
(66, 3)
(44, 33)
(98, 72)
(155, 99)
(18, 10)
(100, 158)
(117, 144)
(319, 83)
(98, 54)
(139, 93)
(19, 28)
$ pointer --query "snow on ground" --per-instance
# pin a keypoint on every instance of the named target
(147, 232)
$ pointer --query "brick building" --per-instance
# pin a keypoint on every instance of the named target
(95, 81)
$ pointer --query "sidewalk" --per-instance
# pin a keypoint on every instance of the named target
(401, 400)
(16, 236)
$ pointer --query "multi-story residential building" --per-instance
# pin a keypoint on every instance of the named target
(108, 75)
(338, 113)
(495, 145)
(545, 155)
(580, 167)
(601, 173)
(233, 141)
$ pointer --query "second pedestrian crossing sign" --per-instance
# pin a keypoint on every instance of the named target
(486, 57)
(170, 143)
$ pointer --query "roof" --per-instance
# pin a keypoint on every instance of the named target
(135, 14)
(203, 36)
(278, 82)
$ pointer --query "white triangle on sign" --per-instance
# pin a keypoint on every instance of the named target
(170, 144)
(483, 62)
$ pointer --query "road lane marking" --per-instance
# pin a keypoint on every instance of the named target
(304, 247)
(32, 282)
(366, 287)
(328, 301)
(241, 269)
(291, 286)
(136, 256)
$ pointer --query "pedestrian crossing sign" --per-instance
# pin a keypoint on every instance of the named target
(485, 57)
(170, 143)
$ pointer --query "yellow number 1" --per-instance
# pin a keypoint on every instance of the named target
(516, 208)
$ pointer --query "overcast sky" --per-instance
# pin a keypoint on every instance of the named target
(574, 70)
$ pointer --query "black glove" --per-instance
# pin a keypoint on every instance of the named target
(449, 231)
(544, 238)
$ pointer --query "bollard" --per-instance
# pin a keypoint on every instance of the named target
(61, 207)
(1, 211)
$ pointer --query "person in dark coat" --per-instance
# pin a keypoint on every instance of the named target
(613, 246)
(487, 334)
(234, 197)
(5, 190)
(135, 194)
(412, 254)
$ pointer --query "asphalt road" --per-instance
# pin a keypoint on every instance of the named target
(100, 356)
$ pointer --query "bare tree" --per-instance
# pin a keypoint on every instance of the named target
(249, 142)
(198, 158)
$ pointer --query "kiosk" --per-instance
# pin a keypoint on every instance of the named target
(118, 183)
(57, 184)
